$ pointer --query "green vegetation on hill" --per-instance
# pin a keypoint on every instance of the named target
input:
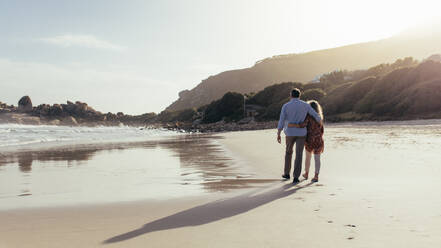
(403, 93)
(401, 90)
(404, 89)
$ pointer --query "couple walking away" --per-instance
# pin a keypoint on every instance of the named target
(302, 123)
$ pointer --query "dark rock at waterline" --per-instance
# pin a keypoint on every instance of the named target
(56, 110)
(111, 117)
(25, 104)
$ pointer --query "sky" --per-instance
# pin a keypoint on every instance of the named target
(135, 56)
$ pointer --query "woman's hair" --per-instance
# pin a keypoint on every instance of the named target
(316, 106)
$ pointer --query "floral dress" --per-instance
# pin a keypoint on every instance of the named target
(314, 138)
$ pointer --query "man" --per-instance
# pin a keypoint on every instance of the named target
(294, 111)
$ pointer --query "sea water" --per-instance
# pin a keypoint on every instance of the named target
(19, 136)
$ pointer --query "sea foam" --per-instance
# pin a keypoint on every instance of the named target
(15, 135)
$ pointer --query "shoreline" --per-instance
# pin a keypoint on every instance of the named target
(218, 127)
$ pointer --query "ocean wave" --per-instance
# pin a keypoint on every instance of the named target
(12, 135)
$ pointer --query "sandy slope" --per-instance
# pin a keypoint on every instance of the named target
(370, 197)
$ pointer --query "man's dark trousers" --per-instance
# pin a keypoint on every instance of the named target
(300, 143)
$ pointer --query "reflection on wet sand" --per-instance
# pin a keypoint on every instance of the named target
(24, 159)
(202, 162)
(25, 162)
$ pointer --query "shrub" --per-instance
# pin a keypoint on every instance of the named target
(228, 108)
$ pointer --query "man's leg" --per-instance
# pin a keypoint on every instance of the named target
(288, 153)
(300, 143)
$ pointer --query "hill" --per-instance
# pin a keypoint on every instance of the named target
(409, 91)
(305, 67)
(401, 90)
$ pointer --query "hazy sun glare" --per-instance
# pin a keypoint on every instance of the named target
(344, 22)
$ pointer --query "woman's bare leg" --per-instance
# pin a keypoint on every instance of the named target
(307, 164)
(317, 166)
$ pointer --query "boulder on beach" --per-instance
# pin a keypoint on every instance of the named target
(42, 110)
(111, 117)
(82, 106)
(70, 107)
(25, 104)
(55, 110)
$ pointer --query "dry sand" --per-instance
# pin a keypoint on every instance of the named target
(368, 196)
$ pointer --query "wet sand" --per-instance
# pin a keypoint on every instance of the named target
(379, 187)
(173, 167)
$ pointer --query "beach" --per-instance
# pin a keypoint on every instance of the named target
(379, 187)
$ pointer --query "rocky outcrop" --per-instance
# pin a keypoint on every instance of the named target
(82, 110)
(183, 93)
(70, 114)
(25, 104)
(77, 110)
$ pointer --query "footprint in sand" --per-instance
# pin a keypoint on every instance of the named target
(350, 238)
(25, 194)
(350, 225)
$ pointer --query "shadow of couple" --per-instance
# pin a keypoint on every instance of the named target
(213, 211)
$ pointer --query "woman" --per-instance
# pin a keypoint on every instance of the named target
(314, 143)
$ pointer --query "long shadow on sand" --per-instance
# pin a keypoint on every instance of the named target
(211, 212)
